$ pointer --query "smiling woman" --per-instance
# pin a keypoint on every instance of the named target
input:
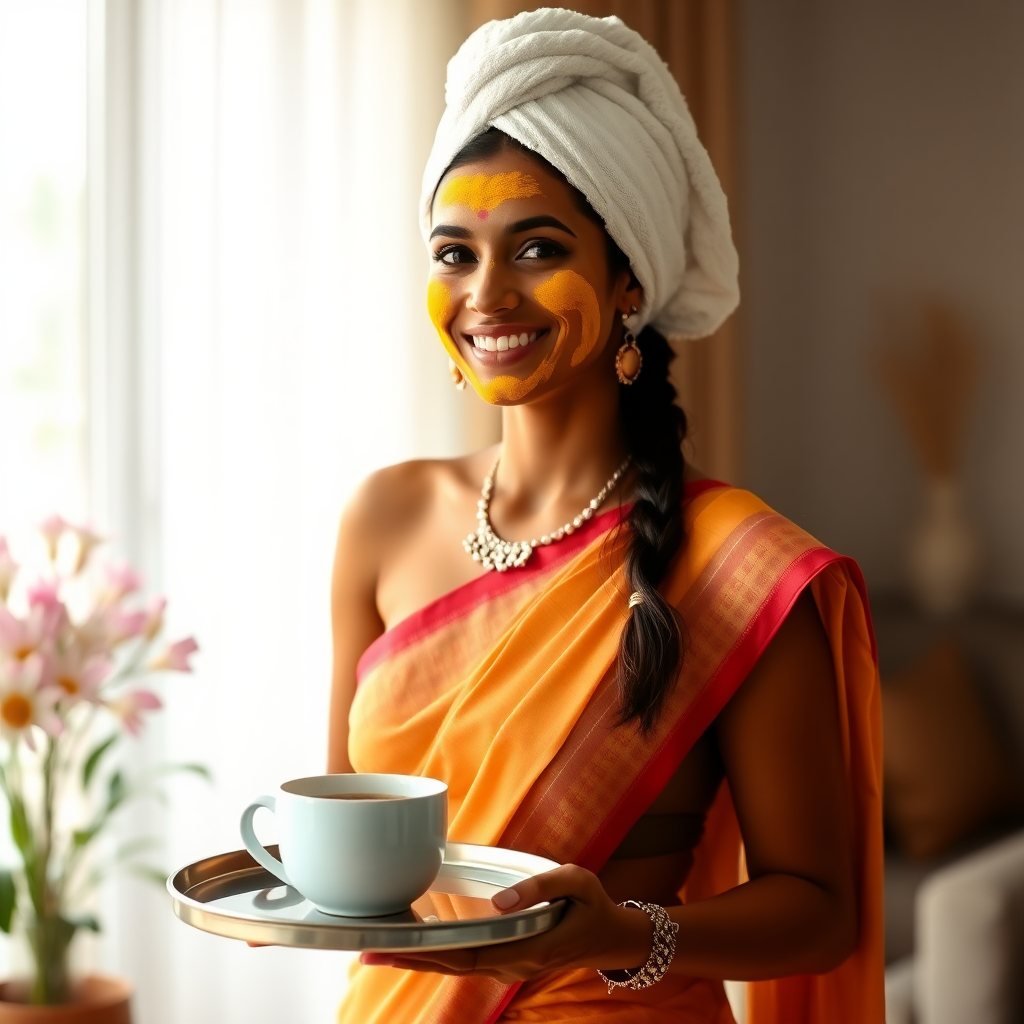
(662, 668)
(531, 233)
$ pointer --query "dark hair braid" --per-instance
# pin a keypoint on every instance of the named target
(651, 644)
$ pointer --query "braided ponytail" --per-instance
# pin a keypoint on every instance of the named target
(651, 644)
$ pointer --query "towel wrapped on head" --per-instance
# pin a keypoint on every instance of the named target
(595, 100)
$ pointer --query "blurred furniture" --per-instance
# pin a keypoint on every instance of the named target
(955, 924)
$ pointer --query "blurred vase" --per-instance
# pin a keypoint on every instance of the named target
(95, 1000)
(944, 553)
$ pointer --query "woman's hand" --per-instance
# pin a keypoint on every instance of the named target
(594, 932)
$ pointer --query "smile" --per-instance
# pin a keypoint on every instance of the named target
(504, 342)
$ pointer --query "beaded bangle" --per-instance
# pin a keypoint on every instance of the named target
(662, 951)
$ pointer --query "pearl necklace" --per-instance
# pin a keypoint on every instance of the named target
(486, 547)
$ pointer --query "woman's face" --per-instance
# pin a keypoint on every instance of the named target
(520, 289)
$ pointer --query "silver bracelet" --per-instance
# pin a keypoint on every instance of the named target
(662, 952)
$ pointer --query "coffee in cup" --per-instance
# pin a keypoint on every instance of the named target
(359, 845)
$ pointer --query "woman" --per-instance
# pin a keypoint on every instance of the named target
(673, 667)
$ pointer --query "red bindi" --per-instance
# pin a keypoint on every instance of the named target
(482, 214)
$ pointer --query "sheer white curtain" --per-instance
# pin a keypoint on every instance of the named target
(285, 352)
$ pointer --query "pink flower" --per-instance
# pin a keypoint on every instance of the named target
(52, 529)
(8, 569)
(154, 618)
(37, 632)
(80, 675)
(85, 541)
(120, 581)
(129, 706)
(108, 627)
(175, 656)
(25, 702)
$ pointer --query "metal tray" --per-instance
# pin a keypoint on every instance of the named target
(231, 895)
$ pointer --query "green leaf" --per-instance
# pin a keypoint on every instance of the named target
(194, 769)
(20, 831)
(84, 921)
(116, 791)
(8, 900)
(83, 836)
(93, 760)
(149, 874)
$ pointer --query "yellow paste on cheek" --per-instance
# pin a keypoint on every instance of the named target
(483, 192)
(574, 302)
(566, 294)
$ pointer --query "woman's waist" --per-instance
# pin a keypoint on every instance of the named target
(655, 879)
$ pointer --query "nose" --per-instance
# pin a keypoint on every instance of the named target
(491, 291)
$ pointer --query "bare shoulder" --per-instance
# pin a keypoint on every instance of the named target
(391, 503)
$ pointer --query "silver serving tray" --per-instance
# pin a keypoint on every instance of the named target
(231, 895)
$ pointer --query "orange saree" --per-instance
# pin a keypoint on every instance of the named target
(505, 689)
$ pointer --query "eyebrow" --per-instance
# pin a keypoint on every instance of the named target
(529, 224)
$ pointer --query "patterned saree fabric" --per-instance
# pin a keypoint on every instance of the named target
(505, 690)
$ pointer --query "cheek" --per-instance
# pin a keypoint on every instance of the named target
(439, 303)
(572, 299)
(439, 309)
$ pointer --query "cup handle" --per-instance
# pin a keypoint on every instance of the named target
(254, 846)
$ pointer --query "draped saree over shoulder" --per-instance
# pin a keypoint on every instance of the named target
(505, 689)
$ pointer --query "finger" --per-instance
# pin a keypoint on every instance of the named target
(567, 881)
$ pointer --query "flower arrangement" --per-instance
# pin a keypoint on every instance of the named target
(74, 639)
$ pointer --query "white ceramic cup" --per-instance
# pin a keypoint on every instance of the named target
(355, 857)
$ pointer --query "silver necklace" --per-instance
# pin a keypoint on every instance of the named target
(487, 548)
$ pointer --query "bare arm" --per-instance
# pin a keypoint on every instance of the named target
(355, 621)
(780, 741)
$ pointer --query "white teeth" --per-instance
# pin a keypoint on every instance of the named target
(505, 342)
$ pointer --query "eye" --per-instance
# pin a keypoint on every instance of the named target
(541, 249)
(454, 255)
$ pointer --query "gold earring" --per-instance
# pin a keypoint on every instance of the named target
(457, 379)
(628, 360)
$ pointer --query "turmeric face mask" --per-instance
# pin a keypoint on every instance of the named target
(568, 296)
(485, 192)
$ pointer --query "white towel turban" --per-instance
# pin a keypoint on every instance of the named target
(595, 100)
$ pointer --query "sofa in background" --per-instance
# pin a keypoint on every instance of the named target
(955, 922)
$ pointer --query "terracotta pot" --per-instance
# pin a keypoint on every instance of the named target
(95, 1000)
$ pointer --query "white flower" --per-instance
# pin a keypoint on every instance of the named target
(79, 674)
(24, 702)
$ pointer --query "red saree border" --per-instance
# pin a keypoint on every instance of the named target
(707, 704)
(715, 694)
(468, 596)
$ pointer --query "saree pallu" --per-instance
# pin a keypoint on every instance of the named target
(505, 689)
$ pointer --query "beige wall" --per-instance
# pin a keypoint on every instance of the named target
(882, 151)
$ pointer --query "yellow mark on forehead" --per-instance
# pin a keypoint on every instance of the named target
(483, 192)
